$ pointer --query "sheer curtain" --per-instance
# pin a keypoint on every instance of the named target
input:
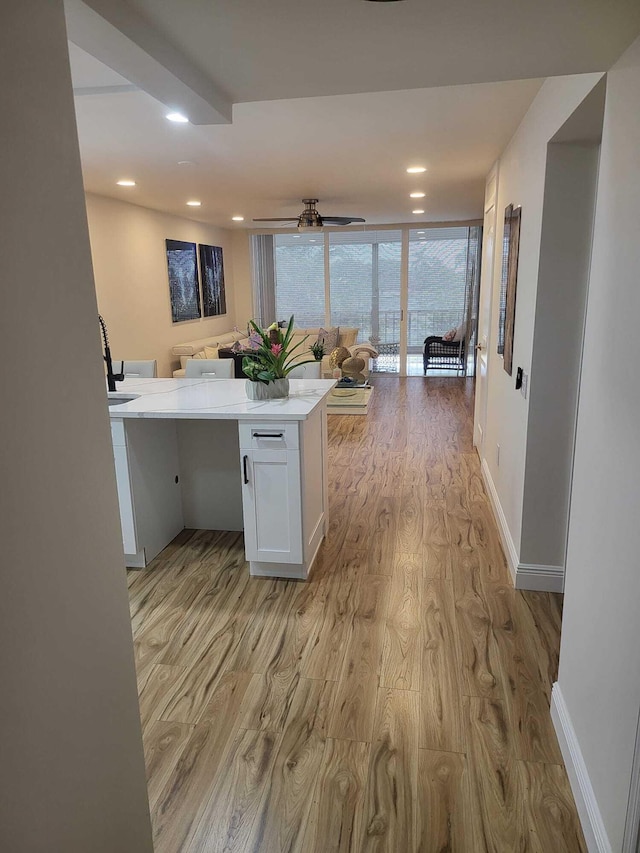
(264, 276)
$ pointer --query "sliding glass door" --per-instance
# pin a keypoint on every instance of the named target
(397, 286)
(364, 289)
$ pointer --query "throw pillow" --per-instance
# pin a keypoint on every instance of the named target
(329, 338)
(210, 352)
(199, 354)
(459, 332)
(449, 336)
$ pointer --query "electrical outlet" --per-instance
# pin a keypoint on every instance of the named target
(498, 455)
(525, 384)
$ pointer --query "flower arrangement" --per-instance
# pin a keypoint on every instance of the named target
(272, 357)
(317, 349)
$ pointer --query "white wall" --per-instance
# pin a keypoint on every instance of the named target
(600, 653)
(521, 182)
(71, 767)
(565, 250)
(130, 268)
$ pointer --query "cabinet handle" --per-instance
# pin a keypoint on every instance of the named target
(244, 469)
(267, 435)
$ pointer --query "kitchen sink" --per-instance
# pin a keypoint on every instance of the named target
(116, 399)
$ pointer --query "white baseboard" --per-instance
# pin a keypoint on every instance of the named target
(542, 578)
(503, 528)
(524, 575)
(590, 818)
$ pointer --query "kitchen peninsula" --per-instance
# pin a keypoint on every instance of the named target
(197, 453)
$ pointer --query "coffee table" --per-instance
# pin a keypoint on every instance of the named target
(356, 402)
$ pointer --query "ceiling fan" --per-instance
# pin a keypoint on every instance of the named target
(310, 218)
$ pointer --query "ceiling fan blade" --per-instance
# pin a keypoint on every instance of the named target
(279, 219)
(342, 220)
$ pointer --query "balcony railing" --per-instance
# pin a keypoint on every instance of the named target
(386, 326)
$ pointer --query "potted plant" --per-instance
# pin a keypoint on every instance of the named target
(317, 349)
(271, 361)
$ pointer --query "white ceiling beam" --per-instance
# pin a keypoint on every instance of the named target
(117, 35)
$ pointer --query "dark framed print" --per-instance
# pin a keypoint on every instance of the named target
(183, 280)
(508, 284)
(212, 276)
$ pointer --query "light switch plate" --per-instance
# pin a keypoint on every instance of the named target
(525, 384)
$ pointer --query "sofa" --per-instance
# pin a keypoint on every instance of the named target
(208, 347)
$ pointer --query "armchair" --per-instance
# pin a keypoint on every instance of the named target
(446, 355)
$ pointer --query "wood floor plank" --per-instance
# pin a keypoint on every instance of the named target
(527, 703)
(550, 814)
(163, 745)
(442, 723)
(181, 803)
(410, 519)
(496, 802)
(158, 687)
(354, 711)
(402, 648)
(381, 546)
(436, 546)
(390, 819)
(477, 648)
(443, 804)
(281, 819)
(328, 643)
(226, 821)
(336, 814)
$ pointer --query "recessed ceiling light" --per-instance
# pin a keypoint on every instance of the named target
(238, 218)
(416, 170)
(417, 211)
(416, 195)
(177, 117)
(194, 203)
(126, 183)
(186, 163)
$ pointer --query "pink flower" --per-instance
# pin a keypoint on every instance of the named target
(276, 349)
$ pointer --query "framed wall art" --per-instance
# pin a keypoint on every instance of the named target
(212, 275)
(508, 284)
(183, 280)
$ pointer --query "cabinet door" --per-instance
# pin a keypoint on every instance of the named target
(125, 499)
(271, 498)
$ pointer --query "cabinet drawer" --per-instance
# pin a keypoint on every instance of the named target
(268, 435)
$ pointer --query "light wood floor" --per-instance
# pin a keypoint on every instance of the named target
(397, 702)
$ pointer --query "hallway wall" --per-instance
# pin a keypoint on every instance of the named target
(72, 770)
(599, 680)
(522, 169)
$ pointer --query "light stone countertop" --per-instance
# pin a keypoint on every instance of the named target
(215, 399)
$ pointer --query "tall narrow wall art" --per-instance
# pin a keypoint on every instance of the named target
(212, 276)
(183, 280)
(508, 286)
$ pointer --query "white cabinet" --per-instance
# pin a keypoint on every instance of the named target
(147, 477)
(272, 506)
(283, 495)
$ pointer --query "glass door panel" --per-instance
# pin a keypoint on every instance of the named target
(299, 278)
(438, 298)
(364, 269)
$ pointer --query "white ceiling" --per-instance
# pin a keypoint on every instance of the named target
(298, 130)
(256, 50)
